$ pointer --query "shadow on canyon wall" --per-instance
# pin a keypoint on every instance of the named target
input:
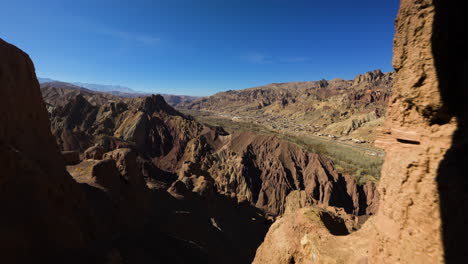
(452, 72)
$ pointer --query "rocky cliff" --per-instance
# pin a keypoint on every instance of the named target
(42, 207)
(420, 202)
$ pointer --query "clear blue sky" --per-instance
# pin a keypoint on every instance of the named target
(204, 46)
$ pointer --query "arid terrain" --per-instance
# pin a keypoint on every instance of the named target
(337, 118)
(283, 173)
(346, 110)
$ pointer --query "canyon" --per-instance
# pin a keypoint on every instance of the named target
(100, 178)
(101, 175)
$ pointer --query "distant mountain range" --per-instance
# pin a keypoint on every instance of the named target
(96, 87)
(118, 90)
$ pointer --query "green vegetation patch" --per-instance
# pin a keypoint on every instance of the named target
(347, 159)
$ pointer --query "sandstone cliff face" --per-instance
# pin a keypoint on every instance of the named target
(419, 172)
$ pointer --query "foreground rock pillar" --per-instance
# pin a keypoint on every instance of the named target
(422, 214)
(417, 134)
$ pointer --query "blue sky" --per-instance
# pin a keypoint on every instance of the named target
(201, 47)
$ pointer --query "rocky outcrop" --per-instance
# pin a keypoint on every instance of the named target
(42, 207)
(264, 170)
(127, 196)
(56, 93)
(421, 211)
(95, 152)
(148, 125)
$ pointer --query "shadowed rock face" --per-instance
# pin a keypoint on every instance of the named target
(41, 204)
(422, 211)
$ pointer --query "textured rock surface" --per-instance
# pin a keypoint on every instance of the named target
(421, 176)
(82, 119)
(42, 207)
(264, 170)
(95, 152)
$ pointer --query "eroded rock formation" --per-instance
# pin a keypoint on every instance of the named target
(415, 223)
(261, 170)
(264, 170)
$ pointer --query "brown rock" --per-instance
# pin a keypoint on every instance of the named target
(328, 105)
(95, 152)
(105, 174)
(43, 209)
(71, 157)
(264, 170)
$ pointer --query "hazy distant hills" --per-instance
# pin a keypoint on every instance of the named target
(106, 88)
(96, 87)
(117, 90)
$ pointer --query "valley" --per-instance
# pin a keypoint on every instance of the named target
(369, 169)
(361, 160)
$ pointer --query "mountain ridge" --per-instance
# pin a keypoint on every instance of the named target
(347, 109)
(170, 98)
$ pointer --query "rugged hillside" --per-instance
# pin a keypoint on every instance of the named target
(261, 170)
(350, 109)
(422, 204)
(104, 212)
(147, 124)
(60, 93)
